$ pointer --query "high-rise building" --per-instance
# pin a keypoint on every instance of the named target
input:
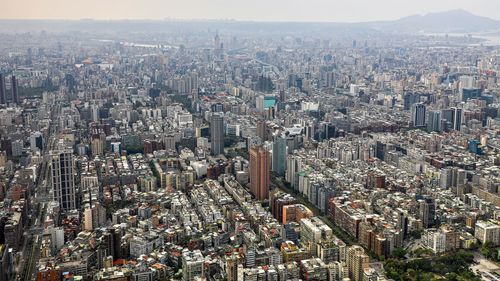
(3, 97)
(279, 156)
(409, 99)
(217, 134)
(94, 217)
(17, 148)
(63, 181)
(357, 262)
(418, 115)
(259, 172)
(427, 209)
(232, 267)
(264, 102)
(94, 110)
(457, 119)
(36, 141)
(15, 93)
(97, 145)
(261, 130)
(470, 93)
(57, 238)
(434, 121)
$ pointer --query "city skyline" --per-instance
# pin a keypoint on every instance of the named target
(287, 144)
(259, 10)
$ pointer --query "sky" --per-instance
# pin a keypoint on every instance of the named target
(255, 10)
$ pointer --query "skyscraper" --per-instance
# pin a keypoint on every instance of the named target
(15, 94)
(261, 130)
(434, 121)
(357, 261)
(457, 119)
(259, 172)
(217, 134)
(63, 181)
(427, 210)
(3, 98)
(418, 115)
(279, 156)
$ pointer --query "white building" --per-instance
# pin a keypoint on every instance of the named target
(435, 240)
(488, 231)
(56, 238)
(192, 265)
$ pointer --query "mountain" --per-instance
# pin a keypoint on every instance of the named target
(454, 21)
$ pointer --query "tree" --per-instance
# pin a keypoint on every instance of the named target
(399, 253)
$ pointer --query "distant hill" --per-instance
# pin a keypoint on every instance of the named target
(454, 21)
(458, 21)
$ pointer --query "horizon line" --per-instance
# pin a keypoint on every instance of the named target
(169, 19)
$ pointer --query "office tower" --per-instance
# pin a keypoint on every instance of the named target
(192, 265)
(402, 222)
(63, 182)
(418, 115)
(36, 141)
(259, 172)
(409, 99)
(261, 130)
(15, 94)
(218, 48)
(97, 145)
(3, 97)
(217, 43)
(217, 134)
(357, 262)
(112, 242)
(279, 156)
(467, 94)
(427, 211)
(434, 121)
(457, 119)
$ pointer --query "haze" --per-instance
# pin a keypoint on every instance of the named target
(258, 10)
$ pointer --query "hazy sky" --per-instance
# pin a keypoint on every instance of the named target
(266, 10)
